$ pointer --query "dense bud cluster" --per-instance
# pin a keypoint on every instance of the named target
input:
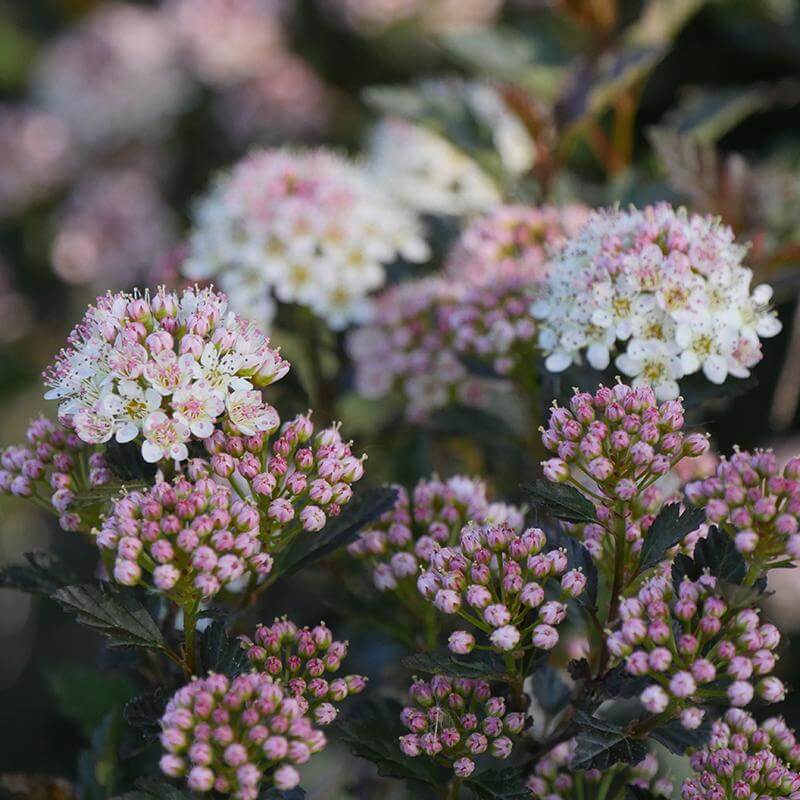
(454, 720)
(688, 640)
(513, 243)
(163, 369)
(304, 659)
(744, 760)
(498, 581)
(555, 779)
(54, 467)
(297, 480)
(617, 443)
(407, 536)
(232, 736)
(305, 228)
(190, 538)
(669, 285)
(760, 502)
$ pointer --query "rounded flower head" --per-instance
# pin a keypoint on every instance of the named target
(191, 536)
(513, 243)
(500, 577)
(304, 660)
(160, 369)
(136, 93)
(758, 502)
(664, 289)
(456, 719)
(234, 736)
(303, 228)
(745, 760)
(406, 537)
(687, 639)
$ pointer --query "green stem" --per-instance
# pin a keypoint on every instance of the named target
(453, 789)
(190, 614)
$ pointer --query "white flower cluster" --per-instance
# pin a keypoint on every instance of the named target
(664, 289)
(429, 173)
(308, 228)
(163, 369)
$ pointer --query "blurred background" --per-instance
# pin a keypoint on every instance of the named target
(114, 116)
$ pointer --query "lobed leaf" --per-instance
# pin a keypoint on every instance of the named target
(600, 744)
(219, 652)
(44, 574)
(677, 739)
(480, 665)
(716, 553)
(548, 688)
(498, 783)
(668, 528)
(563, 501)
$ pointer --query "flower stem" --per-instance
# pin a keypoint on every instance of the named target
(452, 790)
(190, 638)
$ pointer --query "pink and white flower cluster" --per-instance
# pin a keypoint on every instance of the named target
(405, 538)
(665, 289)
(114, 77)
(301, 658)
(617, 443)
(296, 481)
(235, 736)
(555, 779)
(454, 720)
(162, 369)
(54, 467)
(745, 760)
(307, 228)
(689, 639)
(756, 500)
(192, 537)
(498, 580)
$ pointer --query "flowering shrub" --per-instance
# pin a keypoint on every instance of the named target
(326, 229)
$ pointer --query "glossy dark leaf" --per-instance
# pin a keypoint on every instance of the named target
(620, 683)
(367, 504)
(668, 528)
(548, 688)
(562, 501)
(484, 665)
(716, 553)
(504, 783)
(600, 744)
(143, 713)
(219, 652)
(677, 739)
(121, 618)
(44, 574)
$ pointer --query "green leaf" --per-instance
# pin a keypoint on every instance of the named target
(668, 528)
(152, 789)
(86, 696)
(506, 783)
(480, 665)
(143, 713)
(600, 744)
(367, 504)
(120, 617)
(44, 574)
(548, 688)
(716, 553)
(373, 735)
(677, 739)
(562, 501)
(221, 653)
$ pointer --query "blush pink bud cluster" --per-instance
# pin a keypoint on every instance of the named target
(304, 660)
(163, 369)
(690, 640)
(513, 243)
(456, 720)
(740, 762)
(405, 538)
(192, 536)
(555, 779)
(296, 480)
(505, 585)
(236, 736)
(757, 501)
(55, 466)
